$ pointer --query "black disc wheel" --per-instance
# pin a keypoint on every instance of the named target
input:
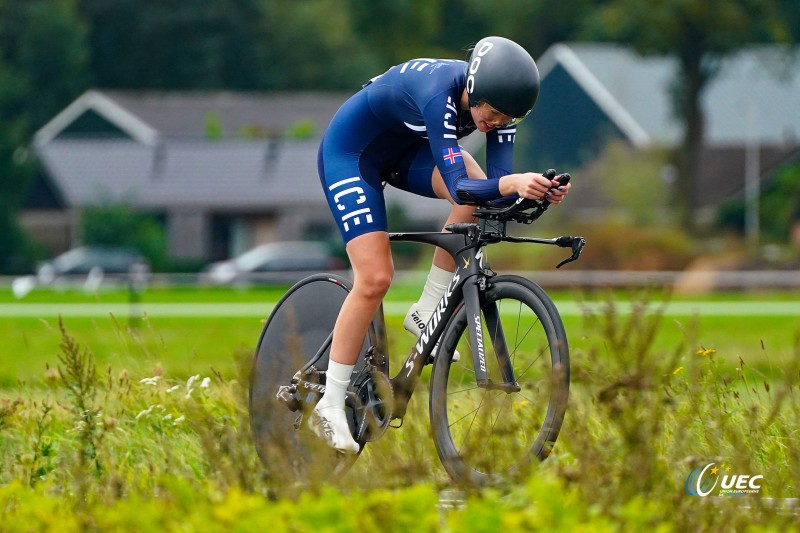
(297, 336)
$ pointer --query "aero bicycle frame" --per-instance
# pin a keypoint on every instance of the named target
(465, 244)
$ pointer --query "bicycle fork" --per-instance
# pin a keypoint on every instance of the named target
(477, 342)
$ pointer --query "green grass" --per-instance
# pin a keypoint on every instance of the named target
(99, 444)
(185, 345)
(179, 346)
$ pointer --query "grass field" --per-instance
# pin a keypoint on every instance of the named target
(144, 427)
(201, 328)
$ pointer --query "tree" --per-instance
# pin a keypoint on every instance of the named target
(698, 33)
(314, 46)
(199, 44)
(42, 60)
(534, 24)
(14, 174)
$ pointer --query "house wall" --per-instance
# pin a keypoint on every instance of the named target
(53, 228)
(188, 235)
(566, 129)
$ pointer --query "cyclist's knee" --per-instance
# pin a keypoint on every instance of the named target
(374, 284)
(461, 213)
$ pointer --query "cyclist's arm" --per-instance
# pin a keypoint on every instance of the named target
(499, 160)
(440, 119)
(440, 114)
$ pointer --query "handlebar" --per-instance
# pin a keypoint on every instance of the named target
(523, 210)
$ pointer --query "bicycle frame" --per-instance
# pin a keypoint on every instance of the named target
(465, 244)
(469, 280)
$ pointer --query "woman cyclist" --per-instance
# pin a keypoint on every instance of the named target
(403, 128)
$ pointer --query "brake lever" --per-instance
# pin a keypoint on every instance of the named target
(577, 244)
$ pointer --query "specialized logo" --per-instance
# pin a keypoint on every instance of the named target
(479, 338)
(351, 213)
(451, 155)
(476, 63)
(703, 481)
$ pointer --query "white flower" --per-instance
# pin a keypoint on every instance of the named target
(149, 410)
(150, 381)
(206, 382)
(191, 381)
(178, 420)
(167, 417)
(145, 412)
(173, 389)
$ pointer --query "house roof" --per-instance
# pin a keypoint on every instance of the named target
(183, 173)
(148, 116)
(165, 160)
(754, 96)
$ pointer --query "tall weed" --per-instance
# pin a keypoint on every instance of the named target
(125, 450)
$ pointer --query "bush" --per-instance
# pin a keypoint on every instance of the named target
(613, 245)
(122, 225)
(779, 207)
(610, 245)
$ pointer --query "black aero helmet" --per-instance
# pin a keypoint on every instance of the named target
(504, 75)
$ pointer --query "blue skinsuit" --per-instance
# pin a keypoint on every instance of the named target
(396, 129)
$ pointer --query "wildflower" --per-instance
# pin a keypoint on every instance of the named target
(173, 389)
(191, 381)
(150, 381)
(178, 420)
(706, 353)
(677, 371)
(150, 410)
(206, 382)
(145, 412)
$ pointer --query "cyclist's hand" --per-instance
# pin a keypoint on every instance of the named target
(530, 185)
(557, 193)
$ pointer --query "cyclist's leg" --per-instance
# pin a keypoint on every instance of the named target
(373, 269)
(371, 260)
(355, 196)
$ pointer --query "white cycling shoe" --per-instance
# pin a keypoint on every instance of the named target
(330, 424)
(415, 322)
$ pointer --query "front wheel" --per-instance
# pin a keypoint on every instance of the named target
(487, 434)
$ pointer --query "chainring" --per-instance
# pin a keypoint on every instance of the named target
(374, 410)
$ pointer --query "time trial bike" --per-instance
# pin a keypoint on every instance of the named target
(494, 412)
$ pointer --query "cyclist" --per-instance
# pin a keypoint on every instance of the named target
(403, 128)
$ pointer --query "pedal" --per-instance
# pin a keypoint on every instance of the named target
(287, 396)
